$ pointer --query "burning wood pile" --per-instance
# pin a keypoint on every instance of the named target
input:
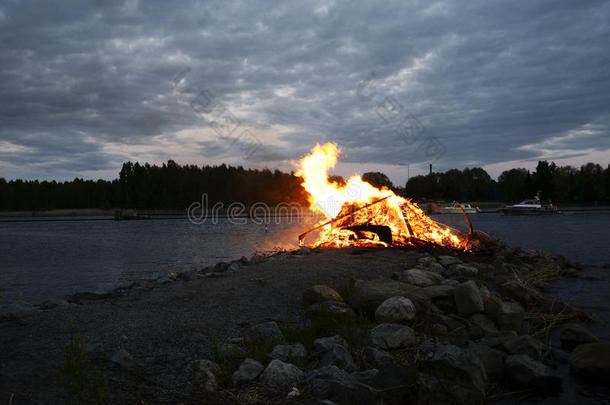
(359, 214)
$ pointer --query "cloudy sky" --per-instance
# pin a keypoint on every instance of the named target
(86, 86)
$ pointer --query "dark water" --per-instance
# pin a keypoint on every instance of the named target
(47, 260)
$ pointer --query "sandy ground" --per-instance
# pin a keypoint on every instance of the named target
(166, 326)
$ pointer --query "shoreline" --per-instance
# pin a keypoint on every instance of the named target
(166, 324)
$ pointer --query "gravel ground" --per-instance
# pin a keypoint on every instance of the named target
(165, 326)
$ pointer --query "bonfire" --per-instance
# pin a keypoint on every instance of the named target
(359, 214)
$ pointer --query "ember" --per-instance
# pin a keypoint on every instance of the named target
(359, 214)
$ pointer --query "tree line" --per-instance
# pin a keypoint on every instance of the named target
(589, 184)
(172, 186)
(145, 186)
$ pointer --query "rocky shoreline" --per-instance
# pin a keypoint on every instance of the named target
(359, 325)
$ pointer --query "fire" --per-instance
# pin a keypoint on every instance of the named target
(359, 214)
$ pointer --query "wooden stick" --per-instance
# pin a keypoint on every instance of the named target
(302, 236)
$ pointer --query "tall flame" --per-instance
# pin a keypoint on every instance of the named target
(357, 205)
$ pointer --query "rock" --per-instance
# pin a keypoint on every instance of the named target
(320, 293)
(448, 260)
(231, 351)
(365, 376)
(468, 299)
(332, 383)
(266, 332)
(573, 335)
(295, 354)
(462, 373)
(368, 295)
(324, 344)
(516, 291)
(203, 373)
(280, 373)
(392, 336)
(220, 267)
(243, 261)
(436, 267)
(492, 359)
(508, 315)
(592, 360)
(421, 278)
(123, 359)
(234, 266)
(487, 325)
(463, 270)
(450, 282)
(524, 371)
(377, 358)
(522, 345)
(484, 292)
(294, 393)
(247, 371)
(338, 311)
(436, 291)
(338, 356)
(394, 383)
(395, 310)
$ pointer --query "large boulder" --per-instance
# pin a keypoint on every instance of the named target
(448, 260)
(340, 357)
(592, 360)
(524, 344)
(266, 332)
(280, 373)
(392, 336)
(203, 373)
(468, 299)
(459, 372)
(377, 358)
(295, 354)
(524, 371)
(247, 371)
(368, 295)
(516, 291)
(421, 278)
(508, 315)
(492, 359)
(332, 383)
(324, 344)
(395, 310)
(320, 293)
(573, 335)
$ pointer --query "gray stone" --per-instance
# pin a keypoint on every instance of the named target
(295, 354)
(247, 371)
(492, 359)
(450, 282)
(338, 356)
(592, 360)
(468, 299)
(377, 358)
(320, 293)
(522, 345)
(395, 310)
(573, 335)
(508, 315)
(421, 278)
(123, 359)
(465, 271)
(267, 332)
(392, 336)
(460, 371)
(337, 385)
(324, 344)
(448, 260)
(436, 267)
(524, 371)
(365, 376)
(487, 325)
(436, 291)
(368, 295)
(516, 291)
(203, 373)
(338, 311)
(280, 373)
(394, 383)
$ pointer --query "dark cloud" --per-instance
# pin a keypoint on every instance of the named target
(87, 85)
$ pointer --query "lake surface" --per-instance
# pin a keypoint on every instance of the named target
(49, 259)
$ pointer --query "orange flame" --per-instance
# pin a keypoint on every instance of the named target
(346, 206)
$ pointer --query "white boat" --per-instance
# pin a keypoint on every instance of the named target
(455, 209)
(530, 207)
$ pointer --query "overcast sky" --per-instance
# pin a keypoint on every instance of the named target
(460, 84)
